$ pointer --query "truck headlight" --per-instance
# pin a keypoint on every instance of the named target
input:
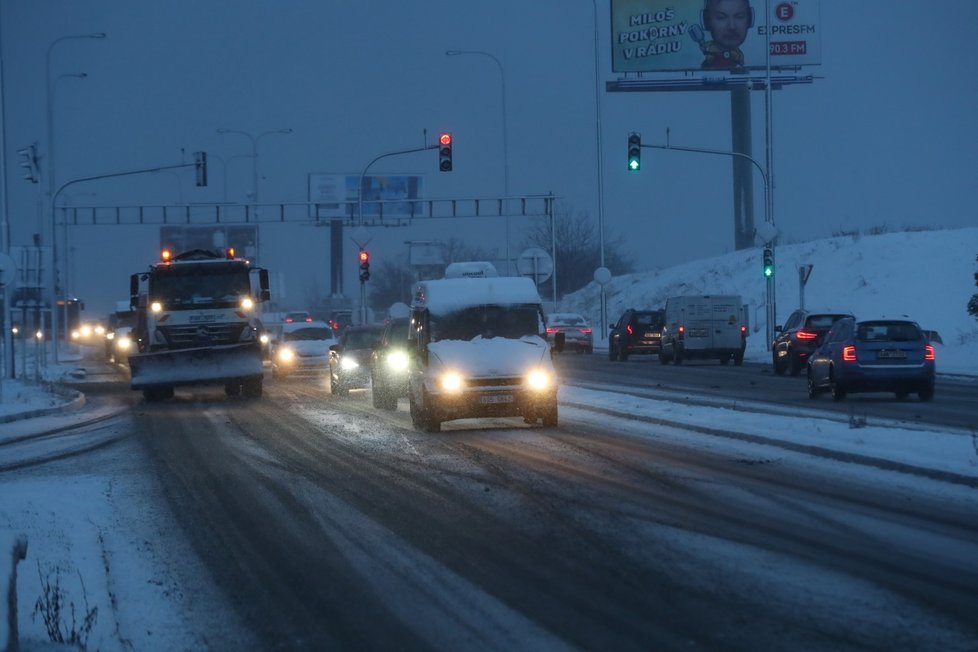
(538, 379)
(123, 343)
(451, 382)
(247, 303)
(156, 306)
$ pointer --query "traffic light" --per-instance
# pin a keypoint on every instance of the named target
(200, 162)
(28, 161)
(445, 151)
(768, 262)
(364, 257)
(634, 151)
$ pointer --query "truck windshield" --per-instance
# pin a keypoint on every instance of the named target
(511, 322)
(199, 289)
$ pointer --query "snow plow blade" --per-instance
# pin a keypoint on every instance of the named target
(195, 366)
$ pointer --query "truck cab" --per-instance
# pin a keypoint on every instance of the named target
(198, 322)
(478, 348)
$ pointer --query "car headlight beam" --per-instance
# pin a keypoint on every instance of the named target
(538, 379)
(397, 361)
(451, 382)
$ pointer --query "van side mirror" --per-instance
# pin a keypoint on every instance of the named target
(133, 291)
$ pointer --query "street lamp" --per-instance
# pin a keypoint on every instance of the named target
(597, 131)
(254, 153)
(54, 224)
(502, 83)
(176, 180)
(49, 92)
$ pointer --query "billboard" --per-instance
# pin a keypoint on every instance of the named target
(335, 195)
(685, 35)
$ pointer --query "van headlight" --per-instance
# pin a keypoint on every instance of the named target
(539, 379)
(451, 382)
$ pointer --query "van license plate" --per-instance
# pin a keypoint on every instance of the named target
(497, 398)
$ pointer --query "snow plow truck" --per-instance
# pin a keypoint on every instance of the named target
(198, 322)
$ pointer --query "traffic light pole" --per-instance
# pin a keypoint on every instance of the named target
(54, 229)
(771, 299)
(367, 167)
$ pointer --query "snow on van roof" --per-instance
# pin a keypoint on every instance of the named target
(450, 294)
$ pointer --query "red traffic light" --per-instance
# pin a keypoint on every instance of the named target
(364, 256)
(445, 138)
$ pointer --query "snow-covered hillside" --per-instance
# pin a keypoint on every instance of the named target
(926, 275)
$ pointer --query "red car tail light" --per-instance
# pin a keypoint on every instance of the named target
(929, 353)
(584, 330)
(551, 329)
(849, 353)
(805, 335)
(629, 329)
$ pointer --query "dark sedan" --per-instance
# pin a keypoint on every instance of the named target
(879, 355)
(800, 336)
(349, 359)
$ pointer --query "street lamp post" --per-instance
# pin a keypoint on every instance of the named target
(254, 153)
(502, 85)
(597, 131)
(54, 225)
(49, 92)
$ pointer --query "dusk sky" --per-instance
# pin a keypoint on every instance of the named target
(884, 136)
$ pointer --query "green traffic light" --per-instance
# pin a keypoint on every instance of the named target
(634, 164)
(768, 271)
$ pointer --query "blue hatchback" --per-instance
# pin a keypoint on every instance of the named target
(880, 355)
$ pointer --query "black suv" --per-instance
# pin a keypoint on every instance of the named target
(637, 331)
(799, 337)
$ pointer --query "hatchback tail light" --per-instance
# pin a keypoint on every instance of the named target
(551, 329)
(806, 335)
(849, 353)
(929, 353)
(584, 330)
(629, 329)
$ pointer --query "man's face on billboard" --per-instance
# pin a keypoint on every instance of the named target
(727, 20)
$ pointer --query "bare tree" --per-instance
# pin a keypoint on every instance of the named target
(578, 248)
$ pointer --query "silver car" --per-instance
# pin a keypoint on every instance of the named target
(577, 332)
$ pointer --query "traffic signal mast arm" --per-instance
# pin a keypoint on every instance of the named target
(122, 174)
(377, 158)
(767, 189)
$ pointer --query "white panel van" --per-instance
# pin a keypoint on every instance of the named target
(479, 348)
(707, 327)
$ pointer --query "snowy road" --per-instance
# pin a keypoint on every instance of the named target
(332, 525)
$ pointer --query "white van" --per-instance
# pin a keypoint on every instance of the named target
(479, 348)
(709, 326)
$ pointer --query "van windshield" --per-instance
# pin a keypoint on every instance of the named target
(511, 322)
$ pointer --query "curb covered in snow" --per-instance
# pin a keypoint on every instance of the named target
(73, 400)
